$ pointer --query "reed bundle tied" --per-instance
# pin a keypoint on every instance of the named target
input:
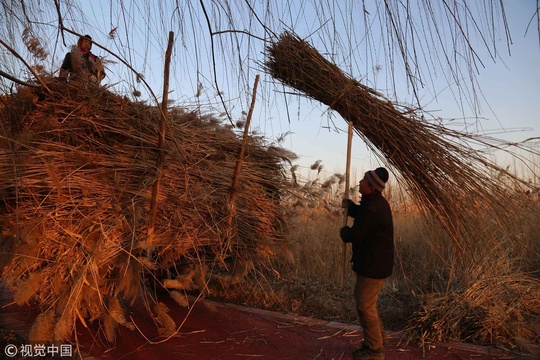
(448, 177)
(76, 174)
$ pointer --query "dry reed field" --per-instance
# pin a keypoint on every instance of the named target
(78, 165)
(107, 201)
(437, 294)
(434, 295)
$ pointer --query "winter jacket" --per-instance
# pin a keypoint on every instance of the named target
(371, 236)
(83, 65)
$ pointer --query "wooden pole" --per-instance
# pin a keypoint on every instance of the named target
(234, 186)
(161, 142)
(346, 196)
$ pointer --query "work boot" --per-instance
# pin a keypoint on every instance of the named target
(365, 353)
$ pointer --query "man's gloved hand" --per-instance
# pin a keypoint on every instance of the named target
(346, 203)
(343, 233)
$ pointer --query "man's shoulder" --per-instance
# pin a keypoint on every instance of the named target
(382, 198)
(379, 201)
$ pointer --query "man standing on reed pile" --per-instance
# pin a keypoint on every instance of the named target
(81, 64)
(372, 238)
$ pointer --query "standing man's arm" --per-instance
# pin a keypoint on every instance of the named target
(352, 208)
(360, 229)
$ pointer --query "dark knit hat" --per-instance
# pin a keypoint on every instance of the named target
(377, 178)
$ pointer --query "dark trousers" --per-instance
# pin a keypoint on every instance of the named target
(366, 293)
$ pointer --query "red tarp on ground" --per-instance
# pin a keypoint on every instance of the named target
(214, 330)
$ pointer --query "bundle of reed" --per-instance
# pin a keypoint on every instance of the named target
(445, 174)
(76, 174)
(502, 310)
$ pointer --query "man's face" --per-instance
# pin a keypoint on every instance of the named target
(365, 187)
(86, 45)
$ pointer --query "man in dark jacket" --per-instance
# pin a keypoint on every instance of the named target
(372, 239)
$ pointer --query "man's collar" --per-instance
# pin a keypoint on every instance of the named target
(371, 196)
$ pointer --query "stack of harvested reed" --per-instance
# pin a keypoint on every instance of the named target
(76, 175)
(450, 179)
(494, 310)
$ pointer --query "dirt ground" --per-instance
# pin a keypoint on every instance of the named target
(212, 330)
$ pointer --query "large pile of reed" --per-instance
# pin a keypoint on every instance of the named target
(77, 167)
(444, 173)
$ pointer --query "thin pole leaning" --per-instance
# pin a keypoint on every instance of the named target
(161, 142)
(234, 186)
(346, 196)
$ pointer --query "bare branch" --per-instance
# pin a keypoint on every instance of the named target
(16, 54)
(20, 82)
